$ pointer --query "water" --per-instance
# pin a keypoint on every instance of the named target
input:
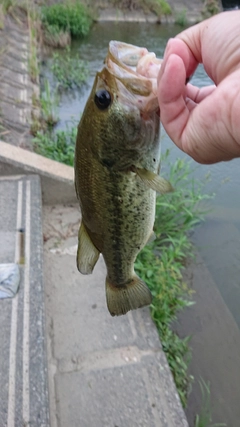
(214, 321)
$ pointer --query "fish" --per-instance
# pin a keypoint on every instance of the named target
(117, 165)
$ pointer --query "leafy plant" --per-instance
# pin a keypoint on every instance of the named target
(69, 16)
(69, 71)
(161, 264)
(58, 146)
(205, 417)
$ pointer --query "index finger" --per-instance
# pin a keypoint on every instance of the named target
(174, 113)
(178, 47)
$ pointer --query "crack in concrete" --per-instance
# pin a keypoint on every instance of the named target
(99, 360)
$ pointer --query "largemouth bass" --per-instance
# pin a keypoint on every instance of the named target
(117, 163)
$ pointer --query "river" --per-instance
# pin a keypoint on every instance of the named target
(214, 321)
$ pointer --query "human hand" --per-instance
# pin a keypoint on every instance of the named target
(204, 123)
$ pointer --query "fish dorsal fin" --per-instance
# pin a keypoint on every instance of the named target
(154, 181)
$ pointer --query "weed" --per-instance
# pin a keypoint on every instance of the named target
(5, 7)
(54, 37)
(35, 100)
(69, 71)
(36, 126)
(33, 57)
(49, 103)
(1, 17)
(181, 18)
(161, 264)
(72, 17)
(205, 417)
(210, 8)
(58, 146)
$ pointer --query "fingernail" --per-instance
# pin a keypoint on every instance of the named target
(161, 71)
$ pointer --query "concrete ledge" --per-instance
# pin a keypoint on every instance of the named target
(24, 378)
(57, 179)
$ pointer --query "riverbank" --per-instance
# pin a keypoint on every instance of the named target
(190, 11)
(184, 11)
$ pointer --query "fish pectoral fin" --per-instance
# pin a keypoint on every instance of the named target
(121, 299)
(151, 238)
(87, 253)
(154, 181)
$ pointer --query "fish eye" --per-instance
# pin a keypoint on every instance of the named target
(102, 99)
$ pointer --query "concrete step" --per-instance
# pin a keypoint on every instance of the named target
(23, 367)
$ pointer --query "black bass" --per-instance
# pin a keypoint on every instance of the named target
(117, 163)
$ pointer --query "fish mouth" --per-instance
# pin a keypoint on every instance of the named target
(133, 73)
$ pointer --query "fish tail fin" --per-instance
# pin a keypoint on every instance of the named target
(121, 299)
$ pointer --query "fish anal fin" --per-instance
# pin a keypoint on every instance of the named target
(87, 253)
(121, 299)
(154, 181)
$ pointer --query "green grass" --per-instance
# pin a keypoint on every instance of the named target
(162, 262)
(49, 102)
(204, 419)
(59, 145)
